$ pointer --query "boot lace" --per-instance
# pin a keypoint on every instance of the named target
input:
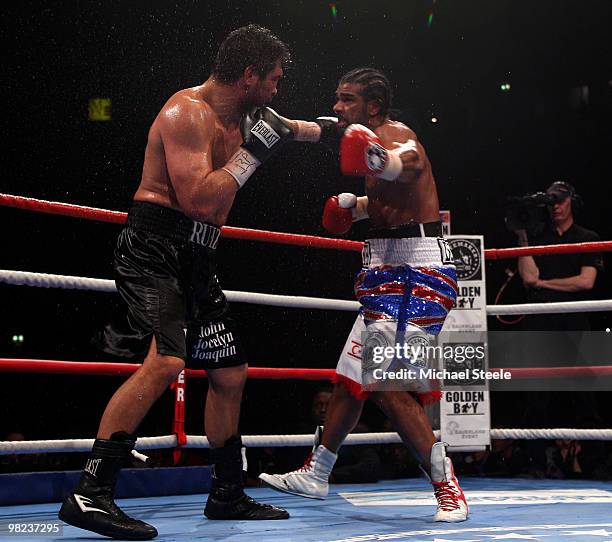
(446, 495)
(306, 466)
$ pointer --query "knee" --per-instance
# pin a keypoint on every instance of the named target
(228, 381)
(167, 368)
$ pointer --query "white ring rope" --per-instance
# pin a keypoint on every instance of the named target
(66, 282)
(279, 441)
(44, 280)
(23, 278)
(550, 308)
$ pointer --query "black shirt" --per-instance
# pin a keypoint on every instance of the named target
(559, 266)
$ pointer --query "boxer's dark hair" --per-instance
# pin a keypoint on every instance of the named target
(250, 45)
(375, 86)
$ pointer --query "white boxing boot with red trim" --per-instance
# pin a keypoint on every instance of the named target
(452, 505)
(312, 479)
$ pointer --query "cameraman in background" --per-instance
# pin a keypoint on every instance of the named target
(559, 277)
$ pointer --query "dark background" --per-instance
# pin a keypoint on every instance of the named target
(486, 145)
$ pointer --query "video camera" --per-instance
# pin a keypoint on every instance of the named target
(530, 212)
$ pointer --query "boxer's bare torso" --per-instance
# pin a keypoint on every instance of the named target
(210, 139)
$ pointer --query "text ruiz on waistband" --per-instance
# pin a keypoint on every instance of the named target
(205, 235)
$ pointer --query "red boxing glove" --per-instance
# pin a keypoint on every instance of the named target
(361, 153)
(337, 219)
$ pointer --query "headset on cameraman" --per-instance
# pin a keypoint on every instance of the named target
(577, 201)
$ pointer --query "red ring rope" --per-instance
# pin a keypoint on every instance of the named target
(118, 217)
(123, 369)
(312, 241)
(571, 248)
(271, 373)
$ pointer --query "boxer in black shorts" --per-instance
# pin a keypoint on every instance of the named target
(202, 147)
(165, 271)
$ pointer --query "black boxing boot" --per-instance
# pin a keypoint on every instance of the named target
(227, 500)
(91, 506)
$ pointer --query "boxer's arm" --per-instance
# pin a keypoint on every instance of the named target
(187, 134)
(391, 154)
(360, 211)
(304, 130)
(406, 157)
(403, 142)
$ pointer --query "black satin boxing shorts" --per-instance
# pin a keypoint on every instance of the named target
(165, 274)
